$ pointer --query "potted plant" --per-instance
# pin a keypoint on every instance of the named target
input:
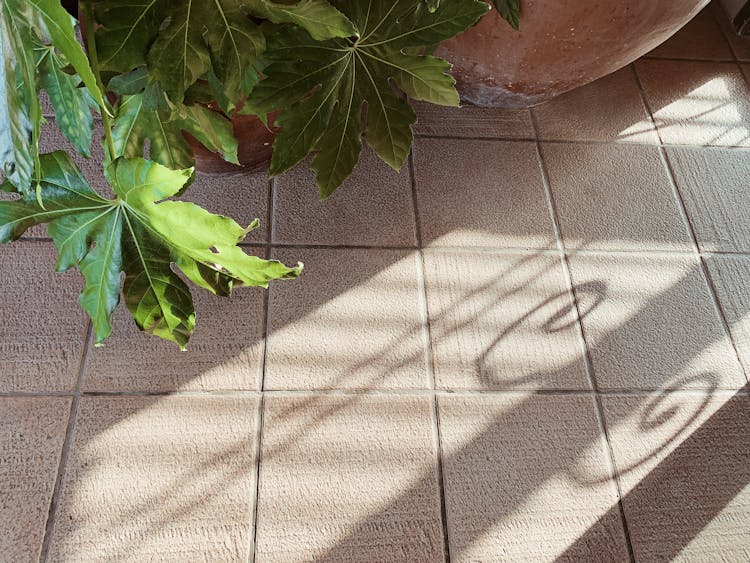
(155, 70)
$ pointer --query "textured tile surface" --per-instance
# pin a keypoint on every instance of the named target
(700, 103)
(471, 121)
(701, 38)
(481, 193)
(740, 45)
(650, 322)
(714, 186)
(501, 322)
(610, 109)
(353, 320)
(684, 474)
(731, 278)
(32, 431)
(167, 479)
(373, 207)
(44, 329)
(614, 197)
(525, 477)
(348, 478)
(224, 353)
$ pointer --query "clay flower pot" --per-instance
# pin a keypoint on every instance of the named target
(254, 141)
(562, 44)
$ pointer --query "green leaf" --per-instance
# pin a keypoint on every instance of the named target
(135, 122)
(129, 83)
(127, 30)
(20, 113)
(59, 26)
(320, 87)
(317, 17)
(142, 235)
(72, 104)
(509, 10)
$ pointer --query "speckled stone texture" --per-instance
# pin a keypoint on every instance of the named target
(348, 479)
(32, 431)
(158, 479)
(525, 477)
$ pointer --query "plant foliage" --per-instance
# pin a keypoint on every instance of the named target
(330, 71)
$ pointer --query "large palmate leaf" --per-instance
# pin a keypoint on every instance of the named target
(182, 42)
(321, 86)
(20, 112)
(72, 104)
(137, 120)
(142, 235)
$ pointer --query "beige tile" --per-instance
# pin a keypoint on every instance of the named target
(651, 322)
(353, 320)
(714, 186)
(731, 275)
(373, 207)
(683, 468)
(502, 321)
(525, 477)
(614, 197)
(44, 328)
(610, 109)
(167, 479)
(224, 353)
(701, 38)
(244, 198)
(472, 121)
(32, 431)
(348, 478)
(481, 193)
(697, 103)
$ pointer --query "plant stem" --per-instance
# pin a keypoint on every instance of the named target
(94, 60)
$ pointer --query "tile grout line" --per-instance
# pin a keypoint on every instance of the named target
(252, 543)
(408, 392)
(714, 16)
(605, 441)
(677, 193)
(579, 141)
(49, 527)
(429, 361)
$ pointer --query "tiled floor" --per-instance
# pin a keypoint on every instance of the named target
(531, 345)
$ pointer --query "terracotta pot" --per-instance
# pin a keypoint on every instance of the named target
(254, 148)
(562, 44)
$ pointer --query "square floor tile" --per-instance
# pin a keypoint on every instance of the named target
(348, 478)
(525, 478)
(610, 109)
(502, 321)
(44, 328)
(701, 38)
(731, 278)
(714, 186)
(614, 197)
(481, 193)
(167, 479)
(650, 322)
(682, 463)
(32, 432)
(224, 353)
(697, 103)
(354, 319)
(244, 198)
(373, 207)
(472, 121)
